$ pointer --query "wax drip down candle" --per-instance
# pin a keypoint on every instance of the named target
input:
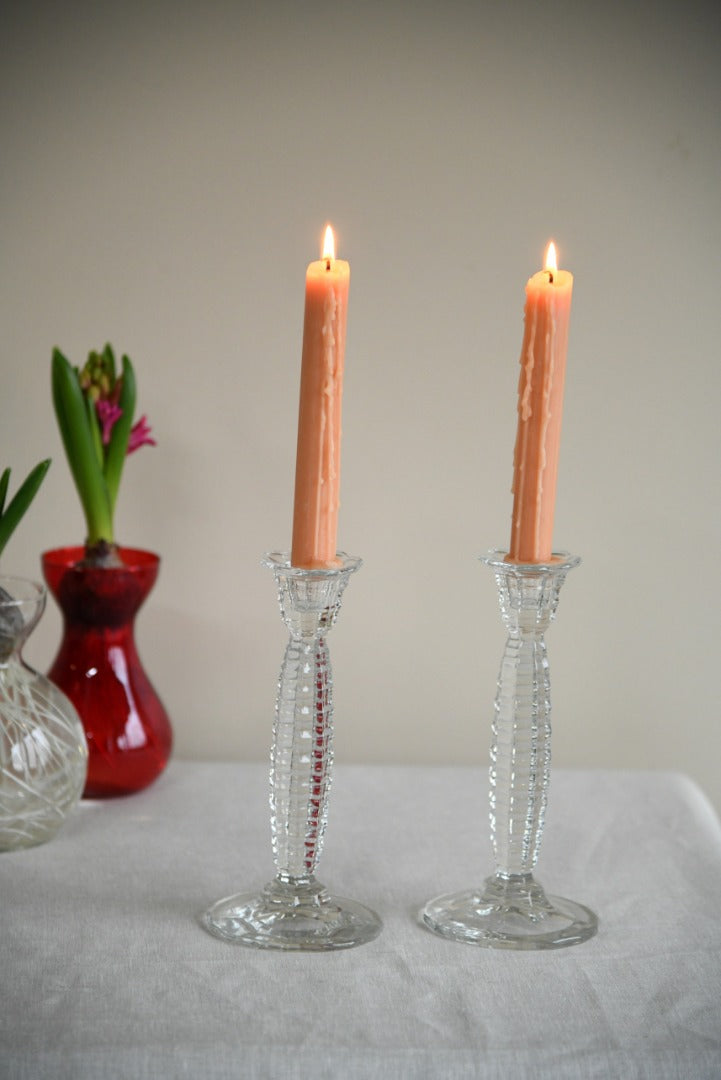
(317, 473)
(540, 405)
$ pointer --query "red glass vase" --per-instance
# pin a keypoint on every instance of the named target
(97, 666)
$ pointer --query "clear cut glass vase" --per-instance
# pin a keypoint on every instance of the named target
(511, 909)
(295, 911)
(43, 753)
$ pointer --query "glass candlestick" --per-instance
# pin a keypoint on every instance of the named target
(294, 911)
(511, 910)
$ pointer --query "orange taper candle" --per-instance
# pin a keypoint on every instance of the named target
(540, 404)
(317, 469)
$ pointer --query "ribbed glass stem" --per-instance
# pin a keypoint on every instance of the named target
(520, 754)
(301, 757)
(302, 751)
(521, 729)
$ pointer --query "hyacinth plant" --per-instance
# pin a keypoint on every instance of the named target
(94, 407)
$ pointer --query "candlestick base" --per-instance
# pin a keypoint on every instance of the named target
(510, 912)
(293, 914)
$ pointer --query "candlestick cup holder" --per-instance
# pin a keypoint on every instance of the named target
(294, 911)
(511, 909)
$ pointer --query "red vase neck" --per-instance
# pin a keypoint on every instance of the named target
(100, 595)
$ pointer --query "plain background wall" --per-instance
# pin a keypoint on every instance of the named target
(167, 170)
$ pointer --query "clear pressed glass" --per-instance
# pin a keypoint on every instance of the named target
(295, 911)
(511, 910)
(43, 754)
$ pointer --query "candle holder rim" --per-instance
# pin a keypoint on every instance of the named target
(496, 558)
(30, 590)
(280, 561)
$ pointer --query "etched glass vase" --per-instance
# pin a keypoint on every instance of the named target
(511, 910)
(43, 755)
(294, 911)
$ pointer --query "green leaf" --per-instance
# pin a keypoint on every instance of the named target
(94, 427)
(21, 500)
(4, 481)
(70, 410)
(117, 449)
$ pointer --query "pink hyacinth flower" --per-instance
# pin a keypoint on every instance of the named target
(140, 435)
(108, 414)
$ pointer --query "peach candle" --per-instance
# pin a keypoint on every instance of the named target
(540, 404)
(317, 470)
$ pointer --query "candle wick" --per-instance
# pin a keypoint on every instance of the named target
(327, 264)
(550, 276)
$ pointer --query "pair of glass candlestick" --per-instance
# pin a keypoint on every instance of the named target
(511, 909)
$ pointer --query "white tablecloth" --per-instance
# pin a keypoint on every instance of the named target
(105, 972)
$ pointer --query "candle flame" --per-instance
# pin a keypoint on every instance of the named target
(551, 263)
(328, 244)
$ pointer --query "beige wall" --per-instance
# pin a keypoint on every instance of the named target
(167, 170)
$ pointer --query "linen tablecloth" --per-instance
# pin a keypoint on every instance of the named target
(105, 971)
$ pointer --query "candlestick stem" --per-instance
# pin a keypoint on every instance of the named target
(302, 751)
(512, 909)
(521, 728)
(295, 911)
